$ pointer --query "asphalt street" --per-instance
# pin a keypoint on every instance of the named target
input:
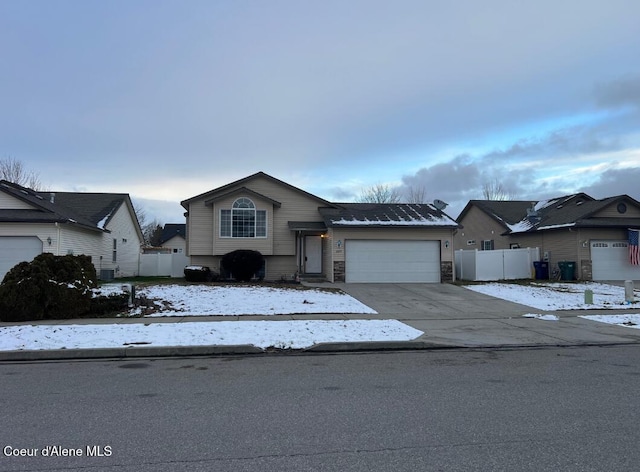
(562, 409)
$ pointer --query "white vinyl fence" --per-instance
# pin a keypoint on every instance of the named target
(163, 265)
(501, 264)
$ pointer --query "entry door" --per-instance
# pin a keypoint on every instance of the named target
(312, 254)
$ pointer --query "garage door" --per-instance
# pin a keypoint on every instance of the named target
(392, 261)
(610, 261)
(16, 249)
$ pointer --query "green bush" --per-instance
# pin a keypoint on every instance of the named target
(242, 264)
(49, 287)
(106, 305)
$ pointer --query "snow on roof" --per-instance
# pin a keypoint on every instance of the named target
(101, 224)
(443, 221)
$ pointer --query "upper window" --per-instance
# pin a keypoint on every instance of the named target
(487, 245)
(243, 220)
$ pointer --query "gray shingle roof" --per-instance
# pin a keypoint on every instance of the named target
(89, 210)
(385, 214)
(173, 229)
(570, 210)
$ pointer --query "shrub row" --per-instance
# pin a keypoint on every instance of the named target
(51, 287)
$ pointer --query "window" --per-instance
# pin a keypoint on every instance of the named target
(243, 221)
(487, 245)
(114, 256)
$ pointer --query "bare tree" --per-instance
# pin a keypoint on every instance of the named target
(379, 193)
(415, 194)
(15, 172)
(494, 190)
(151, 230)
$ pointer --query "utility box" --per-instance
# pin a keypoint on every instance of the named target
(628, 291)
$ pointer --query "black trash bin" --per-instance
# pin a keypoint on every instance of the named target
(567, 270)
(542, 270)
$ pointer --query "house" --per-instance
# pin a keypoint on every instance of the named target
(174, 238)
(101, 225)
(576, 228)
(300, 234)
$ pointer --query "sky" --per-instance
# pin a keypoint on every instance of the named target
(165, 100)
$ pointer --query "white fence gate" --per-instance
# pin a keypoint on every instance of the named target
(501, 264)
(163, 265)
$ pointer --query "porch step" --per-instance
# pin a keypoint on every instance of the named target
(313, 278)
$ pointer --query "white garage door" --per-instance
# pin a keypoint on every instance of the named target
(392, 261)
(610, 260)
(16, 249)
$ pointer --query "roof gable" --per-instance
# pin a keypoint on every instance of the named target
(172, 230)
(243, 191)
(246, 182)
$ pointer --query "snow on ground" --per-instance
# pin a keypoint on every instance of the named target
(195, 300)
(297, 334)
(627, 320)
(565, 296)
(199, 300)
(542, 317)
(558, 296)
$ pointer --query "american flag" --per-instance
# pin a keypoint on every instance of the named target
(634, 255)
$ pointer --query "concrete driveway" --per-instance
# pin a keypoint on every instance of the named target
(450, 315)
(431, 301)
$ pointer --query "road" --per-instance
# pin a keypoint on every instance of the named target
(565, 409)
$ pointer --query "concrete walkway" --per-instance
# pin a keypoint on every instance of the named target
(450, 317)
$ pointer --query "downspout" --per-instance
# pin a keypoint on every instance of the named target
(58, 240)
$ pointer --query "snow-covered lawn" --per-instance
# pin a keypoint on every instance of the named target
(296, 334)
(195, 300)
(627, 320)
(199, 300)
(559, 296)
(566, 296)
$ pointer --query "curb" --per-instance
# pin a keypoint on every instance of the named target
(246, 349)
(127, 353)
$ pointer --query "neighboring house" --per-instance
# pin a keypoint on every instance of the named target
(174, 238)
(101, 225)
(304, 235)
(577, 228)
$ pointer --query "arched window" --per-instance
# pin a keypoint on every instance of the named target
(243, 220)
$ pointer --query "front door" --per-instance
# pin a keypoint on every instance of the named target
(313, 254)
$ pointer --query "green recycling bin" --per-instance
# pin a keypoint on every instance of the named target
(567, 270)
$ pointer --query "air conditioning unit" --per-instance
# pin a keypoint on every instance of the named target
(107, 274)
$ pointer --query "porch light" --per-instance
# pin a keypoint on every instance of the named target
(49, 240)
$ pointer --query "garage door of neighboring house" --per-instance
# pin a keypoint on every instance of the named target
(392, 261)
(610, 261)
(16, 249)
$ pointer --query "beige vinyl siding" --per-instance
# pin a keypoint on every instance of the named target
(222, 246)
(7, 202)
(525, 240)
(203, 222)
(611, 211)
(296, 206)
(478, 226)
(200, 229)
(177, 242)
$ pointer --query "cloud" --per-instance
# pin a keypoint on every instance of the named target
(616, 182)
(619, 93)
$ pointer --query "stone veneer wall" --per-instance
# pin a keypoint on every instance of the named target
(586, 269)
(446, 271)
(338, 271)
